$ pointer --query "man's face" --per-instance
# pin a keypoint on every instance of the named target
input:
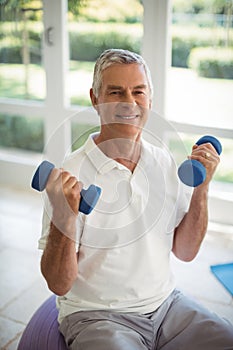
(124, 101)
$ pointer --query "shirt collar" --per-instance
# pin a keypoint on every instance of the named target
(102, 163)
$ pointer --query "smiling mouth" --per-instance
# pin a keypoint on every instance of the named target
(127, 117)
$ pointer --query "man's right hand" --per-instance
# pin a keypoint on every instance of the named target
(63, 190)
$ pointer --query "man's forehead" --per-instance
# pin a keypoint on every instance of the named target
(124, 76)
(119, 70)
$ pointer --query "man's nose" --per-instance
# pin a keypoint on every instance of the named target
(128, 99)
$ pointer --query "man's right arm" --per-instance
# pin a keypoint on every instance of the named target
(59, 264)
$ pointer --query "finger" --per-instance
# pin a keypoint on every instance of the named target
(210, 156)
(80, 185)
(206, 158)
(71, 182)
(66, 176)
(208, 147)
(205, 151)
(77, 188)
(54, 175)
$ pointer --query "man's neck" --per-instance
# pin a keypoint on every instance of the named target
(125, 151)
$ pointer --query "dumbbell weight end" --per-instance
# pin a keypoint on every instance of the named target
(89, 197)
(192, 172)
(41, 176)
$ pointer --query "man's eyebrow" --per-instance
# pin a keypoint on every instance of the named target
(118, 87)
(141, 86)
(114, 87)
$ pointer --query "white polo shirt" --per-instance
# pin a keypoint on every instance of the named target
(124, 244)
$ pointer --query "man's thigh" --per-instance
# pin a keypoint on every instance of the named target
(188, 325)
(105, 331)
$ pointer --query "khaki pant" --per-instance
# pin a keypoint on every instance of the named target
(178, 324)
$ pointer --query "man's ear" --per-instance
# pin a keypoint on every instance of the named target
(94, 99)
(150, 104)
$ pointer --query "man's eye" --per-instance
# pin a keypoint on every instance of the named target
(139, 92)
(115, 92)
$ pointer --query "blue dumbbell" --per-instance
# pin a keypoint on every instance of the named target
(192, 172)
(89, 197)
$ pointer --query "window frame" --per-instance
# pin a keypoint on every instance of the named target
(56, 110)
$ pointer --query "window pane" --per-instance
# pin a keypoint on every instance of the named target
(21, 72)
(223, 178)
(96, 26)
(21, 132)
(200, 81)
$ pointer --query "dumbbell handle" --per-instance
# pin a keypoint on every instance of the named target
(192, 172)
(89, 197)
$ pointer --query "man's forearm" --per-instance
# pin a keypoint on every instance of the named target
(192, 229)
(59, 262)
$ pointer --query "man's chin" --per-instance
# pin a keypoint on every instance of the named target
(127, 130)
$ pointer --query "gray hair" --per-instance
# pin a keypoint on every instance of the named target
(113, 56)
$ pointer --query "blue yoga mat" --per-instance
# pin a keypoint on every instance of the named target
(224, 273)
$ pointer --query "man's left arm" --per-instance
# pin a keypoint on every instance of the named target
(191, 231)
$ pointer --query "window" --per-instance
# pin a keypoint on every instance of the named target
(200, 79)
(49, 105)
(22, 76)
(21, 72)
(94, 27)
